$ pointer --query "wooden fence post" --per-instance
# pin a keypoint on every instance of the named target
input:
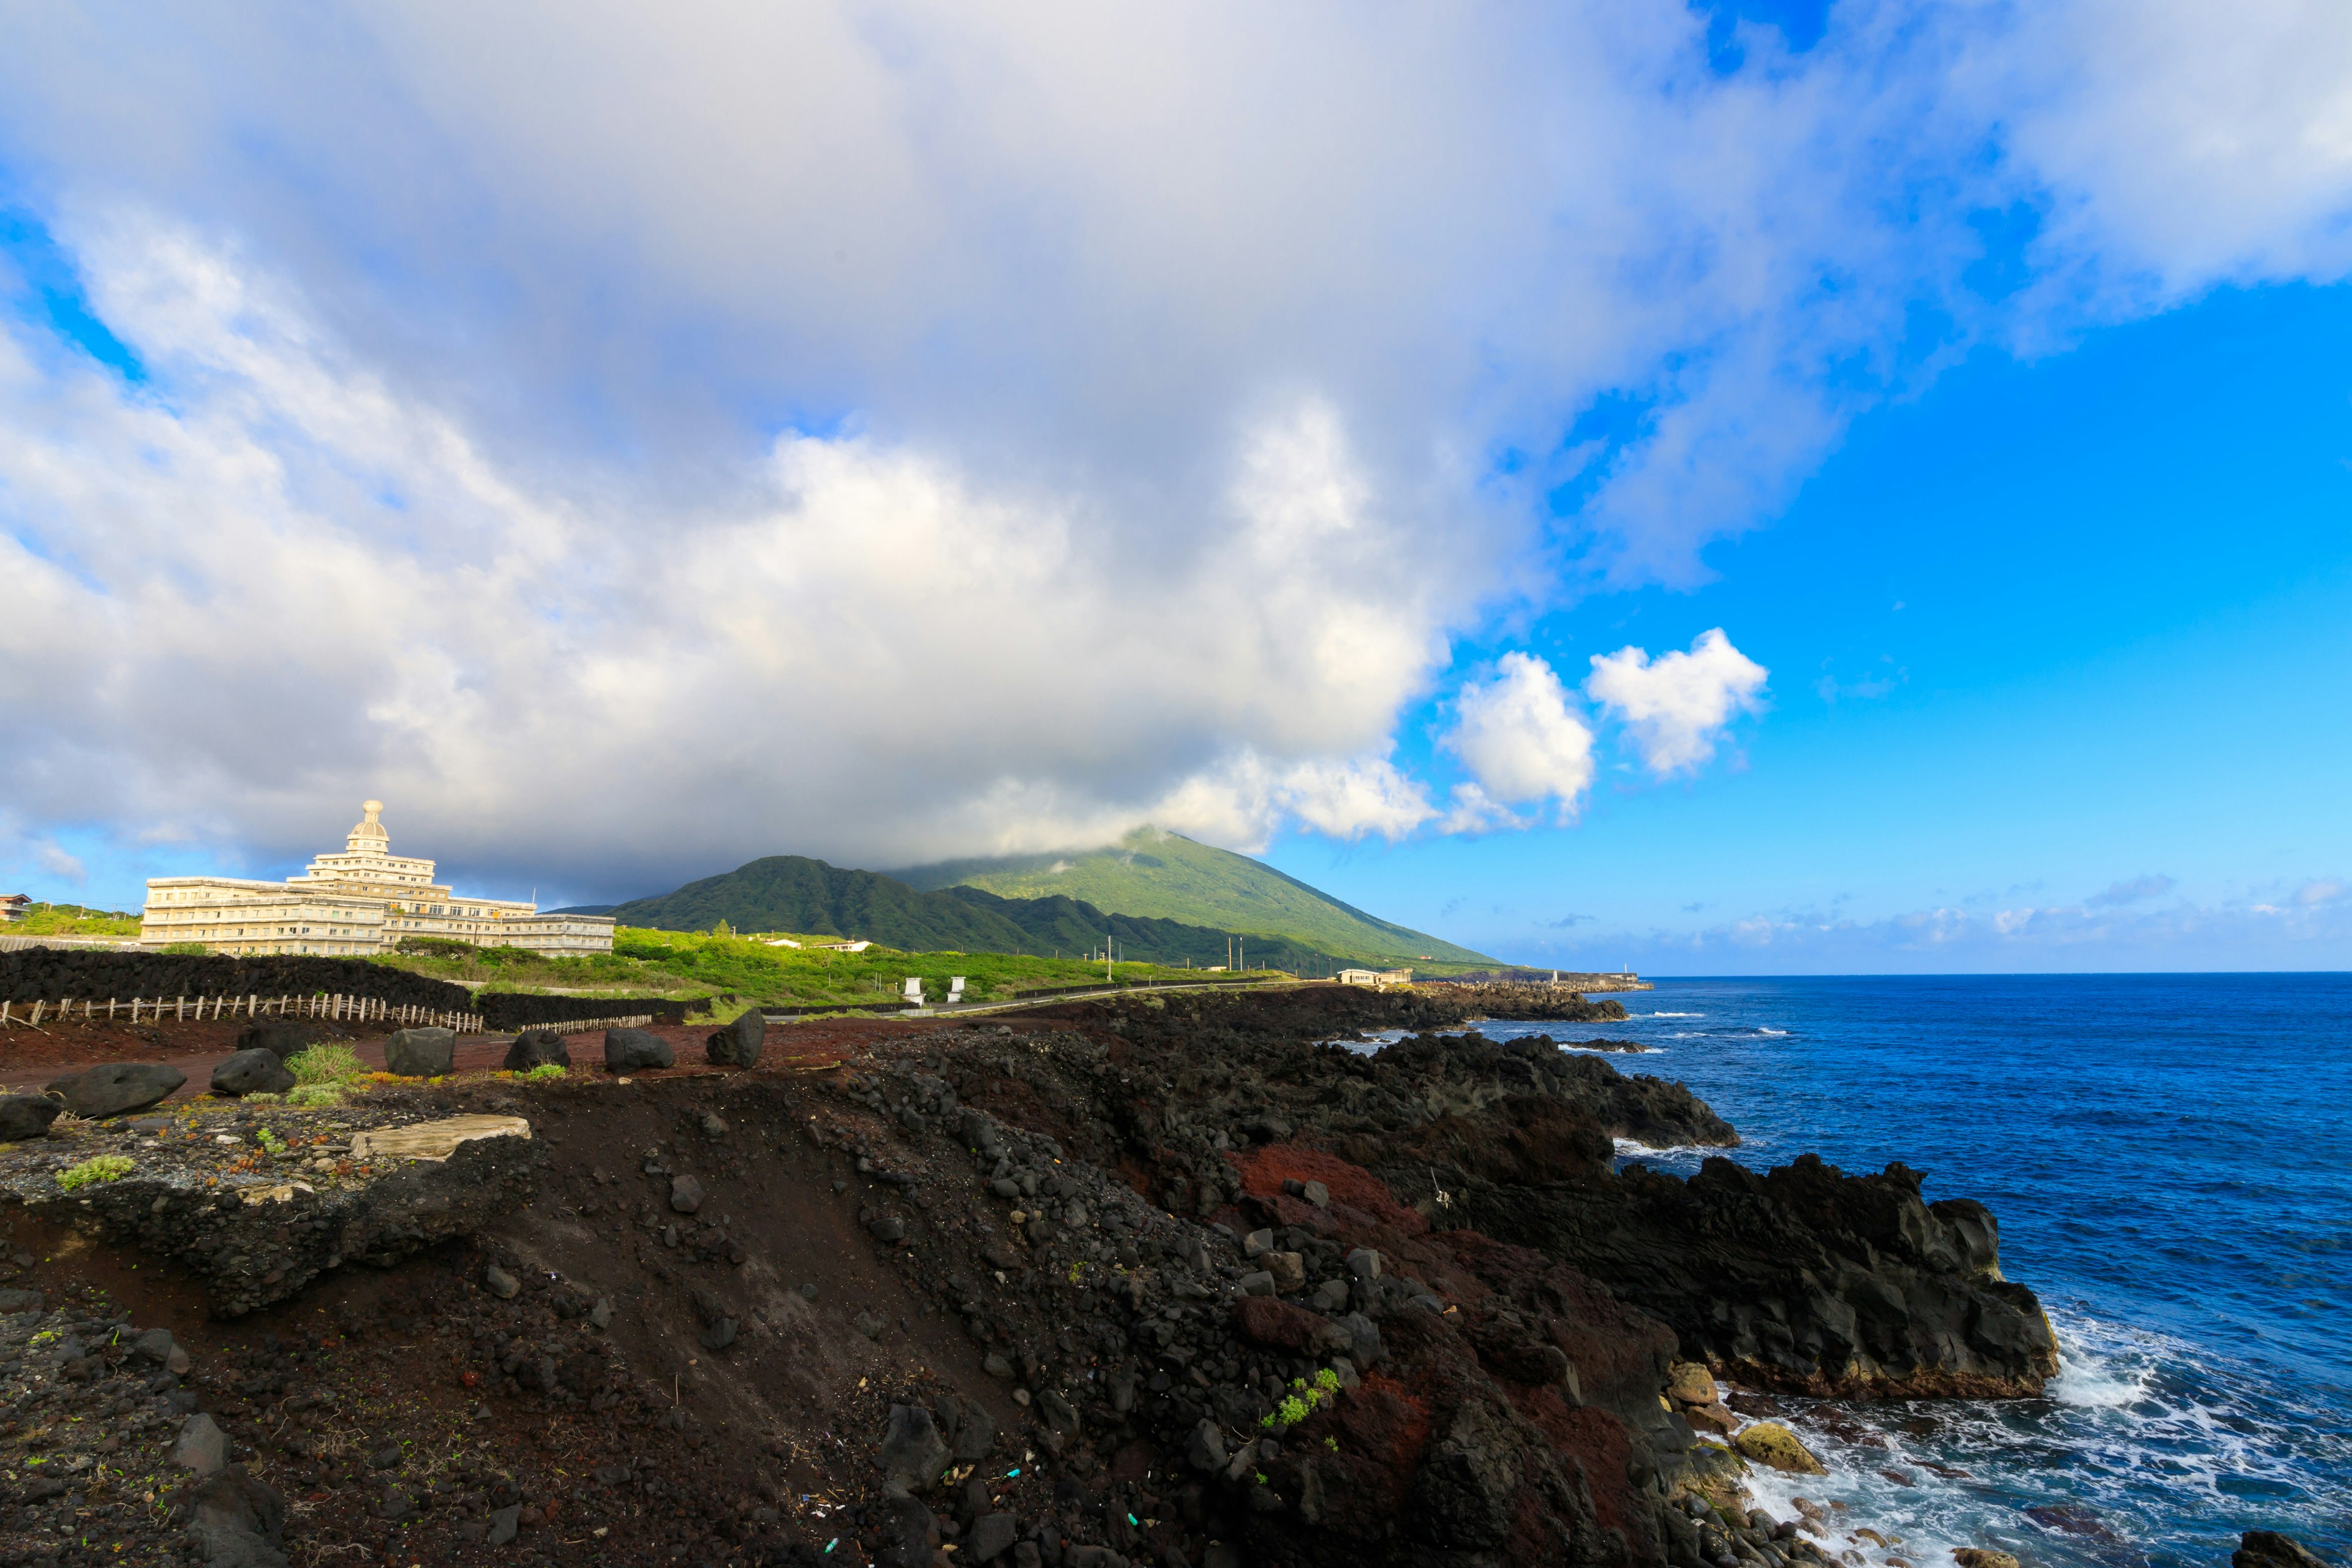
(179, 1010)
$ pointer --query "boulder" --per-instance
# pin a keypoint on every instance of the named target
(1769, 1444)
(633, 1050)
(1688, 1383)
(1289, 1271)
(202, 1447)
(281, 1037)
(737, 1044)
(257, 1072)
(421, 1053)
(537, 1048)
(912, 1455)
(118, 1088)
(685, 1195)
(991, 1537)
(1980, 1557)
(2269, 1548)
(237, 1521)
(27, 1115)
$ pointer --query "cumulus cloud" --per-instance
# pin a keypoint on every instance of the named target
(631, 439)
(1675, 708)
(1518, 735)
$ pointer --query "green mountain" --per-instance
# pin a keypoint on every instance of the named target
(793, 893)
(1168, 876)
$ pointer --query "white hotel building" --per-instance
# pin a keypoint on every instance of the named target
(351, 904)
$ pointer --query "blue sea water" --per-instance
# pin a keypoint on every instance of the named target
(2170, 1160)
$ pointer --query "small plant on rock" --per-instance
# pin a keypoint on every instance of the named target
(314, 1094)
(267, 1137)
(99, 1168)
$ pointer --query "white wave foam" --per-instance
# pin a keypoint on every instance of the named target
(1670, 1014)
(1774, 1033)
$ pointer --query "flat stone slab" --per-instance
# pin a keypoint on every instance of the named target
(434, 1139)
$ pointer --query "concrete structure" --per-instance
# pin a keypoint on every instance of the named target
(12, 908)
(351, 904)
(1374, 977)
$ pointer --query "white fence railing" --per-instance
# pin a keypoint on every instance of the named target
(180, 1009)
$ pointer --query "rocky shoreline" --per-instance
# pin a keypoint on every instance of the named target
(1152, 1279)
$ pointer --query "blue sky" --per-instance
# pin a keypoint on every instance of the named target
(2055, 628)
(1745, 488)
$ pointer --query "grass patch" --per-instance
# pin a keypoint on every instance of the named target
(328, 1062)
(543, 1072)
(316, 1094)
(97, 1168)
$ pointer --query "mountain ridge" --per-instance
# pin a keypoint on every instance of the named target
(1153, 872)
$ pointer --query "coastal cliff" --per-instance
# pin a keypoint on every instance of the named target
(1163, 1278)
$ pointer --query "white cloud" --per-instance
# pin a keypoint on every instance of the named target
(1159, 389)
(1676, 707)
(52, 859)
(1517, 734)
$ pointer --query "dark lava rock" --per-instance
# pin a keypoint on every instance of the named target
(737, 1044)
(685, 1195)
(719, 1335)
(633, 1050)
(118, 1088)
(2269, 1548)
(281, 1037)
(236, 1518)
(912, 1455)
(27, 1115)
(991, 1537)
(535, 1049)
(256, 1071)
(976, 1437)
(909, 1535)
(1805, 1281)
(891, 1227)
(421, 1053)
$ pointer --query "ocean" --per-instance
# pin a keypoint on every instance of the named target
(2170, 1160)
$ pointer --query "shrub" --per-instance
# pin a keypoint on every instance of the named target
(262, 1097)
(190, 947)
(99, 1168)
(543, 1071)
(327, 1063)
(314, 1094)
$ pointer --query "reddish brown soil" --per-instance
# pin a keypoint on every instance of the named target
(30, 1058)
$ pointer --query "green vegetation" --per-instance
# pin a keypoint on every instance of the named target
(737, 972)
(1167, 876)
(71, 920)
(1303, 1399)
(97, 1168)
(544, 1071)
(326, 1074)
(185, 947)
(328, 1062)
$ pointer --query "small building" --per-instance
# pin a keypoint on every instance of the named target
(348, 905)
(12, 907)
(1374, 977)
